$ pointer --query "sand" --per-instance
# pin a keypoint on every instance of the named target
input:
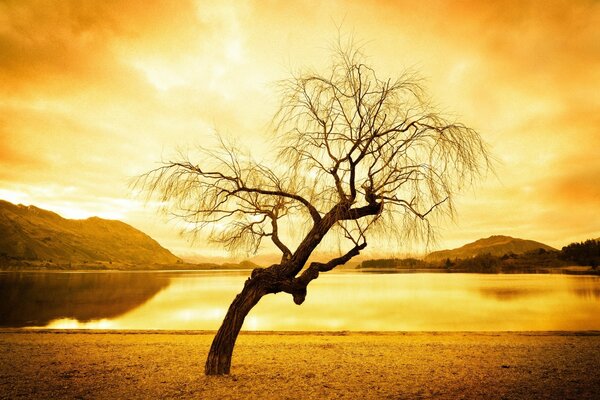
(136, 365)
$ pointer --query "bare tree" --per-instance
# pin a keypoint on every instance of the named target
(355, 153)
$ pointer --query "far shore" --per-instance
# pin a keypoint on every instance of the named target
(101, 266)
(569, 270)
(301, 365)
(35, 266)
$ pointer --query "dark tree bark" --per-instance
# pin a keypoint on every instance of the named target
(218, 361)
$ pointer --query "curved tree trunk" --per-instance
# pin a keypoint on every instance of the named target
(262, 282)
(221, 350)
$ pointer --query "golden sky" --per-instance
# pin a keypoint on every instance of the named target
(93, 93)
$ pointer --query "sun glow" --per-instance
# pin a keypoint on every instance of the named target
(67, 323)
(160, 77)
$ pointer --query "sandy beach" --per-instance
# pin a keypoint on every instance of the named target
(91, 364)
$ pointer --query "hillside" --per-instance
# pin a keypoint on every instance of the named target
(495, 245)
(31, 233)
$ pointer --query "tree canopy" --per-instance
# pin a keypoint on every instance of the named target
(354, 153)
(372, 150)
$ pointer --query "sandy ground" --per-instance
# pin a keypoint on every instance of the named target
(130, 365)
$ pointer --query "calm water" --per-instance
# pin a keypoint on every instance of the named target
(336, 301)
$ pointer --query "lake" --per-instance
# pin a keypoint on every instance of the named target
(337, 301)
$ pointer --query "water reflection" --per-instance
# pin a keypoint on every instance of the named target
(587, 287)
(36, 299)
(506, 293)
(519, 289)
(335, 301)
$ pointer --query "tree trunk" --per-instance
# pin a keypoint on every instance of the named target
(221, 350)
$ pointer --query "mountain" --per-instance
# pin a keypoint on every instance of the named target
(495, 245)
(31, 233)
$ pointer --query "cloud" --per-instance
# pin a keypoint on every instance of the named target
(94, 92)
(576, 187)
(43, 41)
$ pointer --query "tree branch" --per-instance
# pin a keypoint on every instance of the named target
(297, 286)
(359, 212)
(276, 240)
(311, 209)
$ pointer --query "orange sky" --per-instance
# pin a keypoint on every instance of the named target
(93, 93)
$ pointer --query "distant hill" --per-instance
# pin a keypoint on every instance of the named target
(31, 233)
(495, 245)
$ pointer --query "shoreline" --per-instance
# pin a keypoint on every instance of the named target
(306, 365)
(573, 270)
(69, 331)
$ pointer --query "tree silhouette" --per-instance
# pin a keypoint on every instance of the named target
(356, 154)
(583, 253)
